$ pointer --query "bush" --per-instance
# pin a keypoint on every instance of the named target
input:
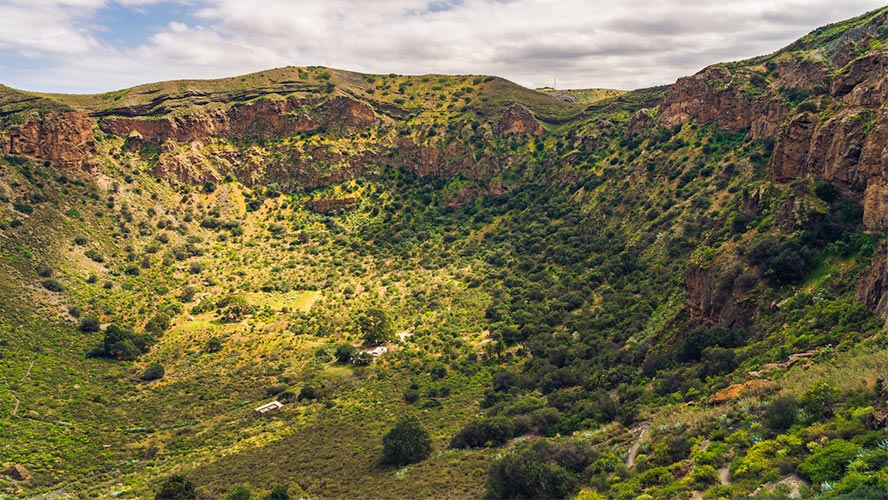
(781, 414)
(94, 255)
(782, 263)
(345, 352)
(411, 395)
(89, 324)
(820, 400)
(408, 442)
(158, 324)
(214, 345)
(236, 309)
(239, 493)
(526, 474)
(704, 476)
(123, 344)
(176, 488)
(496, 430)
(829, 463)
(53, 285)
(279, 492)
(374, 326)
(692, 347)
(154, 371)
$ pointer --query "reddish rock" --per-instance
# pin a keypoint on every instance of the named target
(640, 120)
(260, 119)
(716, 95)
(518, 119)
(713, 298)
(872, 285)
(330, 206)
(735, 391)
(805, 74)
(63, 138)
(17, 473)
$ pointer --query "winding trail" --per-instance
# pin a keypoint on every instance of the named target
(640, 430)
(724, 476)
(17, 402)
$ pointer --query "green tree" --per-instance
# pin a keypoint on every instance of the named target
(239, 493)
(236, 309)
(408, 442)
(279, 492)
(154, 371)
(158, 324)
(829, 462)
(374, 326)
(526, 474)
(176, 488)
(345, 352)
(89, 324)
(123, 344)
(781, 414)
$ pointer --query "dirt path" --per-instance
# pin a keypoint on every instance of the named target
(640, 431)
(724, 476)
(17, 402)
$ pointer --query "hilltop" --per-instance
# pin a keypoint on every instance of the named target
(669, 292)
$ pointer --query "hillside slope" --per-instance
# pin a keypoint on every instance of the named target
(666, 292)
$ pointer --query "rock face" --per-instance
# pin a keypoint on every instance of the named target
(846, 148)
(715, 95)
(331, 206)
(872, 285)
(63, 138)
(261, 119)
(713, 298)
(518, 119)
(17, 473)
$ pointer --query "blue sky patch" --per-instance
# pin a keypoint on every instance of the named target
(130, 26)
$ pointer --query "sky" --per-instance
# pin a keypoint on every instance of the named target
(86, 46)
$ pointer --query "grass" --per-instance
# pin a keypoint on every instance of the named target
(439, 250)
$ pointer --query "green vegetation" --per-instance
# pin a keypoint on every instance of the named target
(408, 442)
(588, 311)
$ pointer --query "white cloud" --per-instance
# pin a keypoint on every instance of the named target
(583, 43)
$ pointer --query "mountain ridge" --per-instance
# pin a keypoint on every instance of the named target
(693, 272)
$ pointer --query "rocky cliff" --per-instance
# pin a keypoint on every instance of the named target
(65, 139)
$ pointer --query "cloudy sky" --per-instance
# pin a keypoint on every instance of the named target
(99, 45)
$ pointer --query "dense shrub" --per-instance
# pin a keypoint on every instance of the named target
(124, 344)
(53, 285)
(494, 431)
(89, 324)
(781, 414)
(154, 371)
(406, 443)
(374, 326)
(779, 262)
(176, 488)
(158, 324)
(345, 352)
(239, 493)
(829, 462)
(819, 400)
(527, 473)
(214, 345)
(691, 348)
(279, 492)
(236, 308)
